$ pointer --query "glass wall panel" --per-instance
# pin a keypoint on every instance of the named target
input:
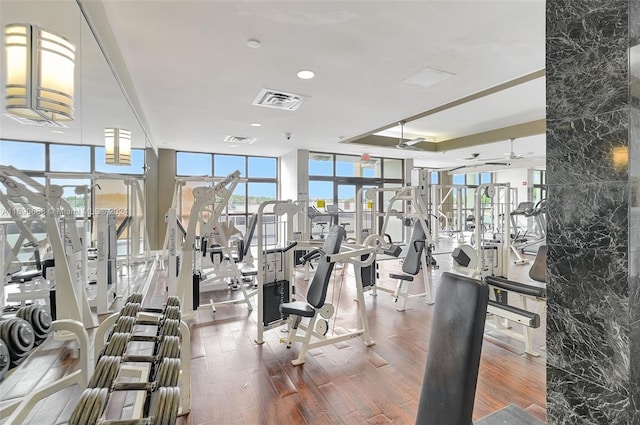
(193, 164)
(70, 158)
(392, 168)
(263, 167)
(23, 155)
(320, 164)
(259, 193)
(74, 193)
(223, 165)
(136, 167)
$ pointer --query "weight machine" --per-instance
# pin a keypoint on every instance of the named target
(316, 308)
(276, 262)
(204, 224)
(69, 300)
(487, 256)
(420, 247)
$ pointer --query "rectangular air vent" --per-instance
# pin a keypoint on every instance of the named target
(240, 140)
(44, 123)
(279, 99)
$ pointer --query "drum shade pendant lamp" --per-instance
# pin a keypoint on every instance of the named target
(40, 74)
(117, 144)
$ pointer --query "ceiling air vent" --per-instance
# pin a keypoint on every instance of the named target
(240, 140)
(43, 123)
(279, 99)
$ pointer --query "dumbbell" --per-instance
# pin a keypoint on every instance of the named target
(168, 312)
(19, 338)
(137, 297)
(40, 321)
(169, 346)
(4, 359)
(106, 371)
(90, 407)
(163, 408)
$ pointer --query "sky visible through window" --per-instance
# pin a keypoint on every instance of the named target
(218, 165)
(22, 155)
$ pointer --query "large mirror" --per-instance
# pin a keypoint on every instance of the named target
(63, 151)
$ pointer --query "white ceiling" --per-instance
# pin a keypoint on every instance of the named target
(187, 67)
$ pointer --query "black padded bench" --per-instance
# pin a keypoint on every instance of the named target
(520, 288)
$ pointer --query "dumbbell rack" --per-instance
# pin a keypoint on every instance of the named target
(161, 399)
(18, 409)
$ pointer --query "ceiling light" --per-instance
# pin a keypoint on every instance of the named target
(57, 131)
(306, 74)
(40, 73)
(117, 146)
(255, 124)
(233, 146)
(254, 43)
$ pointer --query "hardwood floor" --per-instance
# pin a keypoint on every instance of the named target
(235, 381)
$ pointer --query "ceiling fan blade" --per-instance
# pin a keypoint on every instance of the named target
(497, 163)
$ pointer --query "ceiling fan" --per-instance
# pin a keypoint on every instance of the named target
(511, 155)
(408, 144)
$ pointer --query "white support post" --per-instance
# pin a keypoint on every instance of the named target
(172, 252)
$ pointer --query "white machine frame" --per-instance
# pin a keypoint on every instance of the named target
(351, 254)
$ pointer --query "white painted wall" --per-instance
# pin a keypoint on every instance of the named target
(294, 175)
(518, 179)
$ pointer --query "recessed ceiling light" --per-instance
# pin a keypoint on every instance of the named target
(255, 124)
(233, 146)
(57, 131)
(254, 43)
(306, 74)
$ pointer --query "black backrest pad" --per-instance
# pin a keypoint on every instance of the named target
(318, 287)
(453, 356)
(411, 264)
(538, 270)
(251, 228)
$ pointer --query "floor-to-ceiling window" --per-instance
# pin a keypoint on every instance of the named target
(334, 183)
(258, 183)
(89, 184)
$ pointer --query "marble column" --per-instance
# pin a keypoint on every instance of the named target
(592, 126)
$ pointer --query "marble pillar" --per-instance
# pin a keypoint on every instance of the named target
(592, 145)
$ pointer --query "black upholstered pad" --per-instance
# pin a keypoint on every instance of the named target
(521, 288)
(251, 229)
(25, 276)
(411, 264)
(317, 292)
(538, 270)
(318, 287)
(401, 277)
(299, 308)
(453, 356)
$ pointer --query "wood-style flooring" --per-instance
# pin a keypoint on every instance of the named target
(236, 381)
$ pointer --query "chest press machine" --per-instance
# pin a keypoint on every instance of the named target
(315, 308)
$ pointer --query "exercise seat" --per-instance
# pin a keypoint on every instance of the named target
(316, 294)
(299, 308)
(453, 357)
(538, 270)
(411, 265)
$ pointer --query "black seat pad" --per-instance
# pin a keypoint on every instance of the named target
(298, 308)
(401, 277)
(538, 270)
(25, 276)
